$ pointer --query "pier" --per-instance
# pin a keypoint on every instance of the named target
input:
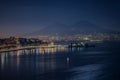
(79, 44)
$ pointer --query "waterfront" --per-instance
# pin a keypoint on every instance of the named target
(94, 63)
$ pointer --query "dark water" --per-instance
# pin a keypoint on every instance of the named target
(99, 63)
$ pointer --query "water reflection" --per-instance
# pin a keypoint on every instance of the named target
(58, 63)
(52, 49)
(87, 72)
(33, 60)
(2, 60)
(35, 57)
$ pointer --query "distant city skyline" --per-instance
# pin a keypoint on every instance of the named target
(21, 17)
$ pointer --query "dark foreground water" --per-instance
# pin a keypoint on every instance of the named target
(99, 63)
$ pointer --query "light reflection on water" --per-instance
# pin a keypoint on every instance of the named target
(41, 60)
(55, 64)
(87, 72)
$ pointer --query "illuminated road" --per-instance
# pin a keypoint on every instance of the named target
(33, 47)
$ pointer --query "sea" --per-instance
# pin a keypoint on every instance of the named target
(101, 62)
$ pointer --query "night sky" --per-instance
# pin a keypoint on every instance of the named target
(19, 17)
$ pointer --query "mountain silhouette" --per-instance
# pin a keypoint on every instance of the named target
(77, 28)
